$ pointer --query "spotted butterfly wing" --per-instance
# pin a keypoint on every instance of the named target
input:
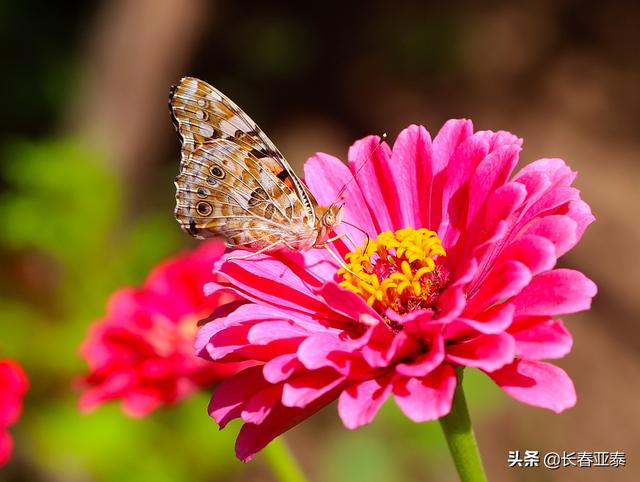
(233, 181)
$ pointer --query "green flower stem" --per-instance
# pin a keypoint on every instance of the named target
(462, 443)
(284, 466)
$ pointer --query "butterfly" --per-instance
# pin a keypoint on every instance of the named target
(234, 182)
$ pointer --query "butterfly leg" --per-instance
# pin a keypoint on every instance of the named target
(339, 236)
(335, 255)
(341, 262)
(251, 255)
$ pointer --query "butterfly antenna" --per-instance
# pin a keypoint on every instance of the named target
(375, 149)
(343, 189)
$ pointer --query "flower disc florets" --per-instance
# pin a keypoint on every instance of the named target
(399, 270)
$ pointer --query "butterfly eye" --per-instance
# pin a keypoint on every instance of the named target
(203, 208)
(217, 171)
(328, 219)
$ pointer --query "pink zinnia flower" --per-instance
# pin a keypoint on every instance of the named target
(13, 386)
(458, 272)
(142, 351)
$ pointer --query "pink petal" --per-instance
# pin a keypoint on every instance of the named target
(455, 192)
(344, 302)
(500, 138)
(359, 403)
(558, 229)
(115, 386)
(487, 352)
(404, 345)
(556, 292)
(227, 342)
(451, 303)
(304, 389)
(445, 143)
(553, 201)
(548, 184)
(324, 350)
(426, 363)
(482, 252)
(542, 339)
(260, 405)
(503, 282)
(252, 438)
(490, 226)
(555, 169)
(536, 252)
(537, 383)
(326, 176)
(230, 396)
(270, 331)
(414, 321)
(501, 204)
(6, 447)
(265, 279)
(316, 262)
(450, 136)
(494, 320)
(371, 160)
(536, 184)
(492, 172)
(428, 398)
(138, 403)
(228, 339)
(381, 345)
(580, 212)
(564, 230)
(412, 175)
(453, 299)
(281, 367)
(14, 385)
(222, 311)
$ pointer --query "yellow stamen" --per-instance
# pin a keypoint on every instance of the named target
(397, 270)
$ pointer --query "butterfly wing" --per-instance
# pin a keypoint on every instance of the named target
(233, 181)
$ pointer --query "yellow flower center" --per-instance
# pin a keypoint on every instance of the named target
(399, 270)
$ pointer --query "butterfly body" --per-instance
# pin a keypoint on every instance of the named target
(233, 181)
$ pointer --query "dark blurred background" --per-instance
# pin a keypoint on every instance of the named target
(86, 198)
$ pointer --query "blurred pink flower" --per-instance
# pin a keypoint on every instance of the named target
(13, 386)
(142, 351)
(479, 291)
